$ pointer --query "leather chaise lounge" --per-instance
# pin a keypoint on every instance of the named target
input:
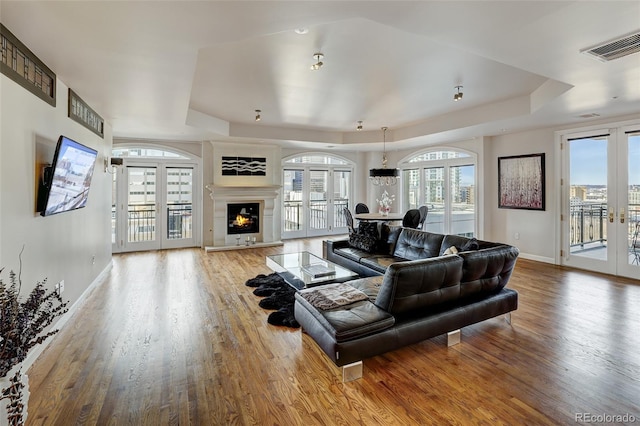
(421, 293)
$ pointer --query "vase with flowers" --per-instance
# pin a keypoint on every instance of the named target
(22, 325)
(384, 203)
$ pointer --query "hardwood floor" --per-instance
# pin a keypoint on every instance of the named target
(175, 337)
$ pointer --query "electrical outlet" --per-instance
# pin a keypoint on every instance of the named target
(93, 259)
(517, 235)
(60, 287)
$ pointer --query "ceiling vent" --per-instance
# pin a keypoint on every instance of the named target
(618, 48)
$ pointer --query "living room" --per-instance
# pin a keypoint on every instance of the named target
(77, 247)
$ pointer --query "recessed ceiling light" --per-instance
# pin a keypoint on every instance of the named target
(302, 30)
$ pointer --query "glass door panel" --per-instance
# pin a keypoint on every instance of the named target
(318, 202)
(434, 199)
(633, 200)
(411, 188)
(141, 208)
(462, 202)
(114, 203)
(179, 207)
(341, 199)
(589, 196)
(293, 191)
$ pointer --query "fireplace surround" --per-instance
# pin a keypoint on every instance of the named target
(263, 202)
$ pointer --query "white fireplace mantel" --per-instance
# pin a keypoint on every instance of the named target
(266, 196)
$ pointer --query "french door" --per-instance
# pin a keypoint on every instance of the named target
(448, 190)
(153, 206)
(601, 201)
(313, 201)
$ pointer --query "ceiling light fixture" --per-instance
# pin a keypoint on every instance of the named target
(457, 96)
(318, 57)
(258, 117)
(359, 127)
(384, 176)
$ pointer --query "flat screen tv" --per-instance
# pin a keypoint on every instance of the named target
(66, 183)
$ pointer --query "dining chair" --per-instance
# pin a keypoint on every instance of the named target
(361, 208)
(348, 217)
(424, 210)
(411, 218)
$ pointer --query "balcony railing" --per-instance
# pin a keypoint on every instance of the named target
(588, 224)
(179, 221)
(293, 215)
(141, 222)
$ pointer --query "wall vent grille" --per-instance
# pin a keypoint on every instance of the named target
(619, 48)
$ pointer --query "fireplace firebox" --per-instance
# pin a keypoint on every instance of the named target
(243, 218)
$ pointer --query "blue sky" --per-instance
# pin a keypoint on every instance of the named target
(588, 166)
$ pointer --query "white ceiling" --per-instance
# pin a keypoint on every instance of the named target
(182, 70)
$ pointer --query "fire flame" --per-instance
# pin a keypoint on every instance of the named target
(241, 220)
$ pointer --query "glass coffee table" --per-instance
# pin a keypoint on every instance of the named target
(303, 269)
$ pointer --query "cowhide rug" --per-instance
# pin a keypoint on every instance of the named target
(278, 297)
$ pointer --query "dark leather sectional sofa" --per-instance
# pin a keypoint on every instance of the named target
(414, 291)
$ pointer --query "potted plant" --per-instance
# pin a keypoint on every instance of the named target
(22, 325)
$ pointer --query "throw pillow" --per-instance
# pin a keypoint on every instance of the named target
(472, 244)
(366, 237)
(451, 250)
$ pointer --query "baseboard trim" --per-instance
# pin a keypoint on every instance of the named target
(37, 350)
(243, 246)
(538, 258)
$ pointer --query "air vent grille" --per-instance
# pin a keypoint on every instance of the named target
(615, 49)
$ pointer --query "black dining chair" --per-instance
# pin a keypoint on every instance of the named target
(424, 210)
(348, 217)
(361, 208)
(411, 218)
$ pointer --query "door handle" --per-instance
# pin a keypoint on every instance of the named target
(622, 215)
(611, 215)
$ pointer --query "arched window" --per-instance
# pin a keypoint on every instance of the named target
(444, 180)
(137, 152)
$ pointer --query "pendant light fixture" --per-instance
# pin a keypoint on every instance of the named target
(318, 57)
(384, 176)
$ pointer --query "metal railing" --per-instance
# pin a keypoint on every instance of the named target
(588, 223)
(141, 222)
(294, 215)
(179, 221)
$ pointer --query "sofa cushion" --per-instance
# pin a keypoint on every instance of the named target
(352, 253)
(369, 286)
(418, 284)
(414, 244)
(380, 262)
(348, 322)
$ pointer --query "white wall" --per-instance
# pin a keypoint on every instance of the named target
(62, 246)
(536, 229)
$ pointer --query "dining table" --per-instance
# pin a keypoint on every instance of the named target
(379, 217)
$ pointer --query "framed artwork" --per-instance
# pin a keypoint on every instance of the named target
(82, 113)
(521, 182)
(244, 166)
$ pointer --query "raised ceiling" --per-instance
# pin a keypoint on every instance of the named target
(182, 70)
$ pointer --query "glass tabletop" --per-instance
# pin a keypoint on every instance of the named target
(309, 268)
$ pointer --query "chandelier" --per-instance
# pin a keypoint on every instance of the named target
(384, 176)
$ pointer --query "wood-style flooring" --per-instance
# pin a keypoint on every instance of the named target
(175, 337)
